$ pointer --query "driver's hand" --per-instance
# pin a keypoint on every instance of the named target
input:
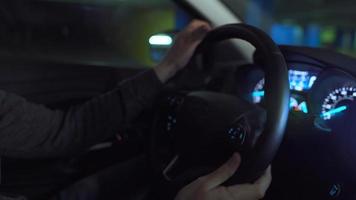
(182, 50)
(209, 187)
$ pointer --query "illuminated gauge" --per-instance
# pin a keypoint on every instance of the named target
(258, 91)
(337, 102)
(298, 81)
(301, 80)
(298, 104)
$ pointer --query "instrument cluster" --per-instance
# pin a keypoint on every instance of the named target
(326, 95)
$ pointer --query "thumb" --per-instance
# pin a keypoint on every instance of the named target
(221, 175)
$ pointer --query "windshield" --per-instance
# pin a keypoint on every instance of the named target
(98, 32)
(315, 23)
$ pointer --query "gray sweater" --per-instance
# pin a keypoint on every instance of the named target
(28, 130)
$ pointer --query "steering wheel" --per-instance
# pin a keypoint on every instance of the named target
(204, 128)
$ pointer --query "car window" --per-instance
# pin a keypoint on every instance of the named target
(105, 32)
(315, 23)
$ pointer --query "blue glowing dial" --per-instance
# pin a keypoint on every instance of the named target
(258, 91)
(337, 102)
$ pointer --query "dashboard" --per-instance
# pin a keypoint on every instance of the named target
(317, 157)
(318, 154)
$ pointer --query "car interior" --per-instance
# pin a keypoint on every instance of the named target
(291, 104)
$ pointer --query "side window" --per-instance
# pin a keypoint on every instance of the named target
(106, 32)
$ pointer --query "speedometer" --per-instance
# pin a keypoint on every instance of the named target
(333, 101)
(337, 102)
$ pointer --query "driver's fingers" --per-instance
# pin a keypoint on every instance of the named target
(252, 191)
(265, 180)
(196, 30)
(245, 192)
(219, 176)
(186, 42)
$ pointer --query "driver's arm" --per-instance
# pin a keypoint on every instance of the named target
(210, 187)
(29, 130)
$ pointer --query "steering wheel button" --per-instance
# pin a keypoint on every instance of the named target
(237, 134)
(335, 190)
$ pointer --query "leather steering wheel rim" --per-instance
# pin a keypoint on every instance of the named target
(276, 96)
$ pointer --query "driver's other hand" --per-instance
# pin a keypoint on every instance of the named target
(209, 187)
(182, 50)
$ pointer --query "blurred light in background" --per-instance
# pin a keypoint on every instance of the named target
(331, 25)
(312, 35)
(287, 34)
(161, 40)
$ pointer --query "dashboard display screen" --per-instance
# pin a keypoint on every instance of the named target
(301, 80)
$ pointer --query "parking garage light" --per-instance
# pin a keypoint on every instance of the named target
(161, 40)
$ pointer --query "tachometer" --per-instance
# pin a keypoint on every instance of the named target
(258, 91)
(337, 102)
